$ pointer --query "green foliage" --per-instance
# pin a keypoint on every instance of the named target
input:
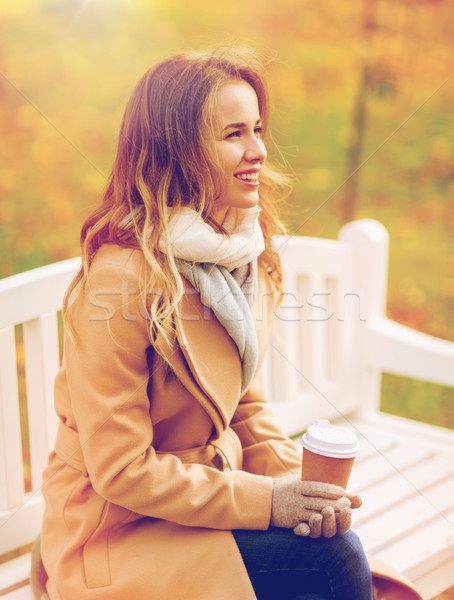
(417, 400)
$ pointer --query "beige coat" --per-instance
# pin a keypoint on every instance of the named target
(152, 519)
(139, 500)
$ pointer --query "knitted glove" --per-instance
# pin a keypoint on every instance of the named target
(310, 507)
(327, 523)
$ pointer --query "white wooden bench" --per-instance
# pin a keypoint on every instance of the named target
(331, 344)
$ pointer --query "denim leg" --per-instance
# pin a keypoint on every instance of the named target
(282, 566)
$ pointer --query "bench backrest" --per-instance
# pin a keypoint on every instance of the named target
(314, 367)
(333, 290)
(29, 359)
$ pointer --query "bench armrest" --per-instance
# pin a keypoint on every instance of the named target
(397, 349)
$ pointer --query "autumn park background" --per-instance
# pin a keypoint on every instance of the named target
(363, 112)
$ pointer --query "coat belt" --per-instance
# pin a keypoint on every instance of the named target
(68, 448)
(227, 445)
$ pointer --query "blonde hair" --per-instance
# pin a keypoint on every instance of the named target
(166, 157)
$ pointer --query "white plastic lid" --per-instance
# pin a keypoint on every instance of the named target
(330, 440)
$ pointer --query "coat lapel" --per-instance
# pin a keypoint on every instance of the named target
(205, 358)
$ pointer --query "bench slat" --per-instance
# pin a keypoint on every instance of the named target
(382, 466)
(14, 579)
(11, 469)
(41, 362)
(421, 551)
(401, 486)
(21, 525)
(398, 521)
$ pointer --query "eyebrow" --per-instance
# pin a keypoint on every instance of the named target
(240, 125)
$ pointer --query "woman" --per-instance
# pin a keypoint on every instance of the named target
(170, 478)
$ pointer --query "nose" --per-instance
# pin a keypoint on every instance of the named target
(256, 150)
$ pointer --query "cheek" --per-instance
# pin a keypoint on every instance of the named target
(229, 158)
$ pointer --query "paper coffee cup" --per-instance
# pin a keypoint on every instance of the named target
(328, 453)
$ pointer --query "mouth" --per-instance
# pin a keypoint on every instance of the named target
(248, 177)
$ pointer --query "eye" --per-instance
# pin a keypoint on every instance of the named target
(233, 134)
(258, 131)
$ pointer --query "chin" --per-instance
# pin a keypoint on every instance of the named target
(238, 202)
(247, 202)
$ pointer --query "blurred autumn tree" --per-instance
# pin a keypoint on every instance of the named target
(363, 87)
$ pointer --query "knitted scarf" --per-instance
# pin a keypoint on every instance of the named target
(223, 270)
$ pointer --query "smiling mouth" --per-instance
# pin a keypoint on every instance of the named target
(249, 177)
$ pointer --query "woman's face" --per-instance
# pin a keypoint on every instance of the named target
(241, 151)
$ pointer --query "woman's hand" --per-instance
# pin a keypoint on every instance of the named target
(312, 508)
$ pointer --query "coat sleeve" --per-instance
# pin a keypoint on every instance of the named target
(266, 450)
(107, 374)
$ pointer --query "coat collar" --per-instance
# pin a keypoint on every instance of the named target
(205, 358)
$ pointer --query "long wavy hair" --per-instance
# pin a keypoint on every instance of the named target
(166, 157)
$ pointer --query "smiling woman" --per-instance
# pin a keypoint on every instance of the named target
(170, 477)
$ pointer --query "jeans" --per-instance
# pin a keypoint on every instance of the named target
(284, 566)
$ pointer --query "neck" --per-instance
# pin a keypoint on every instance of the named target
(218, 215)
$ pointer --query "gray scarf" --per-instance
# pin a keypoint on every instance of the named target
(222, 291)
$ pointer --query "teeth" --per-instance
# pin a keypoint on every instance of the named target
(248, 176)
